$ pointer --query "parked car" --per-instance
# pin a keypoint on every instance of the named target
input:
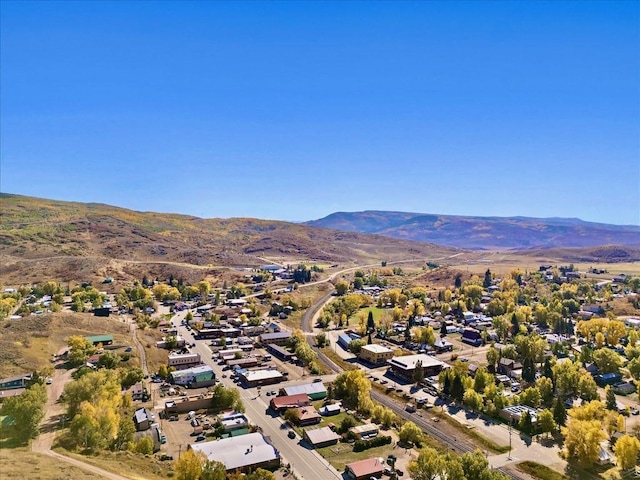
(200, 437)
(291, 434)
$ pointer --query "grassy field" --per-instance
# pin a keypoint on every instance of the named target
(377, 313)
(540, 471)
(22, 463)
(342, 453)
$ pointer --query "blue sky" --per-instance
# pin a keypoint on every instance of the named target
(295, 110)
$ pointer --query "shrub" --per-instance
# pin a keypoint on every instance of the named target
(378, 441)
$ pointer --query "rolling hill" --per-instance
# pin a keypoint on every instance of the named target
(483, 233)
(50, 239)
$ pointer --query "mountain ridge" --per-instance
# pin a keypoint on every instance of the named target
(483, 233)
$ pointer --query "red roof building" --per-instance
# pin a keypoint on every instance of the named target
(290, 401)
(365, 469)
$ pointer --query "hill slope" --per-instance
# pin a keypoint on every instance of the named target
(55, 239)
(483, 232)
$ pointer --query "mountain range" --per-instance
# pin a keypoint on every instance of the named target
(44, 239)
(483, 233)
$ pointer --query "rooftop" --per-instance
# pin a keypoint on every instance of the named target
(321, 435)
(366, 467)
(308, 388)
(238, 452)
(257, 375)
(375, 348)
(408, 362)
(274, 335)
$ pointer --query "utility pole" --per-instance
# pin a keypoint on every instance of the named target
(509, 456)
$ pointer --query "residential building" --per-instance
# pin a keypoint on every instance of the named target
(143, 419)
(308, 416)
(365, 469)
(509, 367)
(365, 431)
(321, 437)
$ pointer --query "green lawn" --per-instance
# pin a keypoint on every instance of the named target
(335, 419)
(340, 454)
(377, 313)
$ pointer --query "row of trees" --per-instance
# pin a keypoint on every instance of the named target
(431, 464)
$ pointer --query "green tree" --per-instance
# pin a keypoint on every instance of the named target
(427, 466)
(292, 415)
(492, 358)
(607, 360)
(526, 423)
(213, 470)
(109, 360)
(611, 401)
(341, 287)
(487, 279)
(371, 324)
(80, 349)
(26, 411)
(354, 388)
(356, 345)
(546, 423)
(144, 446)
(260, 474)
(457, 387)
(410, 433)
(418, 372)
(560, 412)
(126, 434)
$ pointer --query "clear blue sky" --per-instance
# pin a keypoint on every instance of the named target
(295, 110)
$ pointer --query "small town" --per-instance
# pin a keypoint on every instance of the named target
(319, 240)
(377, 382)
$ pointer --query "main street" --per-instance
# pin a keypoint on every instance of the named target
(306, 463)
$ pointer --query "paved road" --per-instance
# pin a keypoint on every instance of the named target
(305, 463)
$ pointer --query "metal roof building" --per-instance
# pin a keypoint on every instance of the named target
(315, 390)
(245, 452)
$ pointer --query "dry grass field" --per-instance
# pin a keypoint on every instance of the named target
(21, 463)
(126, 464)
(28, 344)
